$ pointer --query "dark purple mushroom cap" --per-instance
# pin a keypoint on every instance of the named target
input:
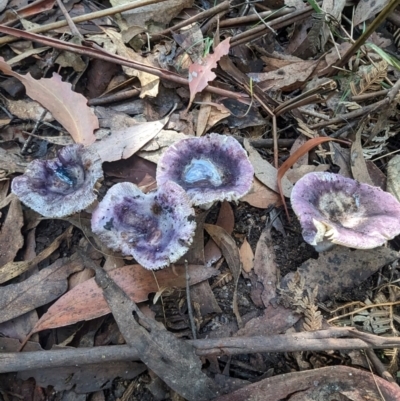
(339, 210)
(61, 186)
(210, 168)
(155, 228)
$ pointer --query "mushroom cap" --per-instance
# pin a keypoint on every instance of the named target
(62, 186)
(210, 168)
(339, 210)
(155, 228)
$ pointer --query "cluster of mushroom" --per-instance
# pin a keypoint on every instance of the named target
(155, 228)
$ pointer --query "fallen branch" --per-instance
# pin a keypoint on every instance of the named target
(331, 339)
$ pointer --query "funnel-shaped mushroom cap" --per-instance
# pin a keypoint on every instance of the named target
(343, 211)
(155, 228)
(61, 186)
(210, 168)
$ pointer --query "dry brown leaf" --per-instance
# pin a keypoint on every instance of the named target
(37, 290)
(358, 166)
(149, 82)
(265, 172)
(333, 382)
(156, 147)
(69, 108)
(246, 256)
(230, 252)
(226, 220)
(287, 78)
(14, 269)
(204, 114)
(294, 174)
(161, 12)
(216, 115)
(366, 9)
(11, 239)
(201, 74)
(265, 267)
(262, 197)
(124, 143)
(341, 269)
(86, 301)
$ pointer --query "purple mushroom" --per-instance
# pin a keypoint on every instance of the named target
(62, 186)
(210, 168)
(333, 209)
(155, 228)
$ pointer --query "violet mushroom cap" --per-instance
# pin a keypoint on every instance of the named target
(155, 228)
(210, 168)
(333, 209)
(62, 186)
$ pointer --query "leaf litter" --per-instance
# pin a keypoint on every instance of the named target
(297, 79)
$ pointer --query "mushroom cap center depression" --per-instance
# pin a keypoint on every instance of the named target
(202, 171)
(341, 208)
(64, 180)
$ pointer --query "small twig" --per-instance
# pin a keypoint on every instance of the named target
(321, 89)
(353, 114)
(313, 113)
(277, 23)
(117, 97)
(379, 367)
(340, 132)
(74, 30)
(267, 143)
(302, 102)
(224, 6)
(371, 95)
(189, 302)
(250, 19)
(275, 139)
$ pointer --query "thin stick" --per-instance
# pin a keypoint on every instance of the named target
(275, 138)
(379, 367)
(189, 302)
(74, 30)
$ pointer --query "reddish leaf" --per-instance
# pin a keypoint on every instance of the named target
(86, 301)
(69, 108)
(201, 74)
